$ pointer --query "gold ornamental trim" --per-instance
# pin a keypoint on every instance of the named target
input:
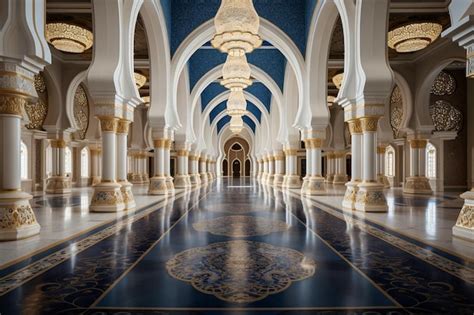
(381, 150)
(331, 156)
(279, 157)
(58, 143)
(108, 124)
(123, 126)
(418, 143)
(355, 126)
(193, 157)
(466, 217)
(168, 144)
(291, 152)
(160, 143)
(182, 153)
(314, 143)
(369, 124)
(12, 104)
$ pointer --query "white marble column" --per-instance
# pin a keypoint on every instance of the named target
(271, 169)
(95, 162)
(315, 180)
(260, 168)
(107, 195)
(330, 167)
(202, 169)
(126, 187)
(167, 156)
(58, 183)
(279, 157)
(291, 179)
(340, 174)
(194, 170)
(417, 183)
(158, 180)
(355, 129)
(370, 197)
(181, 180)
(381, 177)
(208, 168)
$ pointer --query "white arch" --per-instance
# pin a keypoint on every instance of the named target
(407, 99)
(268, 31)
(70, 93)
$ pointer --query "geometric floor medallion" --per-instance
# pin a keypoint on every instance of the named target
(240, 271)
(241, 226)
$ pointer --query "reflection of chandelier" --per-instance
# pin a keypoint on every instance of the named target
(337, 79)
(140, 79)
(236, 124)
(236, 72)
(236, 104)
(237, 25)
(69, 38)
(330, 100)
(414, 36)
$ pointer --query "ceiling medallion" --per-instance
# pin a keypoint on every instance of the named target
(236, 124)
(337, 80)
(414, 36)
(236, 72)
(236, 104)
(68, 37)
(140, 79)
(237, 25)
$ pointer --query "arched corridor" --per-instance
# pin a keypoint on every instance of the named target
(236, 156)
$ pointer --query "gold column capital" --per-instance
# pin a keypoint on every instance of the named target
(12, 104)
(123, 126)
(291, 152)
(160, 143)
(182, 152)
(369, 123)
(418, 143)
(58, 143)
(108, 123)
(313, 143)
(381, 150)
(355, 126)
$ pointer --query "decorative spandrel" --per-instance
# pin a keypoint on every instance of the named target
(396, 111)
(241, 271)
(38, 110)
(444, 84)
(445, 116)
(81, 111)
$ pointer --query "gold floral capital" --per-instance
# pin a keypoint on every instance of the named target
(355, 126)
(314, 143)
(12, 104)
(381, 150)
(369, 124)
(418, 143)
(123, 126)
(58, 143)
(182, 153)
(291, 152)
(108, 124)
(160, 143)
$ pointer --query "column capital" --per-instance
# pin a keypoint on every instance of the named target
(108, 123)
(58, 143)
(313, 143)
(355, 126)
(381, 150)
(123, 126)
(369, 123)
(290, 152)
(182, 152)
(160, 143)
(418, 143)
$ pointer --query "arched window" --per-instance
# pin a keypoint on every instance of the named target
(84, 162)
(430, 160)
(68, 160)
(390, 161)
(23, 161)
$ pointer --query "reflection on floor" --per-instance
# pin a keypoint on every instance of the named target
(236, 245)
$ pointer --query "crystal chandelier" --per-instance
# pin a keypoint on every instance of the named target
(236, 104)
(236, 72)
(236, 124)
(337, 80)
(140, 79)
(68, 37)
(237, 25)
(414, 36)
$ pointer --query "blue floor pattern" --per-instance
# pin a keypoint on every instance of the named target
(243, 248)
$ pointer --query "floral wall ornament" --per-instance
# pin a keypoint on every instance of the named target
(38, 110)
(444, 84)
(81, 112)
(396, 111)
(445, 116)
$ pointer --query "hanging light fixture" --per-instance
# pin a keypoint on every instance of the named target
(236, 124)
(330, 100)
(237, 25)
(140, 79)
(146, 100)
(68, 37)
(236, 72)
(337, 80)
(414, 36)
(236, 104)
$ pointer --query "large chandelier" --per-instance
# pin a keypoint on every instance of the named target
(237, 25)
(414, 36)
(236, 124)
(236, 104)
(337, 80)
(236, 72)
(68, 37)
(140, 79)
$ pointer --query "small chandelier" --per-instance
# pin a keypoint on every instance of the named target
(236, 104)
(140, 80)
(337, 80)
(330, 100)
(413, 37)
(237, 25)
(68, 37)
(236, 124)
(236, 72)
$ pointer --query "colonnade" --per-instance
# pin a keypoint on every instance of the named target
(417, 182)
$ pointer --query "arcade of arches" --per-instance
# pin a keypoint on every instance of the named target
(236, 155)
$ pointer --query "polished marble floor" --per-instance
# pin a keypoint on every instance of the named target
(237, 246)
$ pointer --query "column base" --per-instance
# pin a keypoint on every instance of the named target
(339, 179)
(158, 186)
(58, 185)
(382, 179)
(270, 179)
(127, 195)
(146, 178)
(209, 177)
(17, 219)
(291, 181)
(96, 180)
(107, 197)
(314, 186)
(370, 198)
(464, 227)
(350, 196)
(417, 185)
(170, 185)
(278, 180)
(195, 180)
(329, 178)
(204, 180)
(182, 181)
